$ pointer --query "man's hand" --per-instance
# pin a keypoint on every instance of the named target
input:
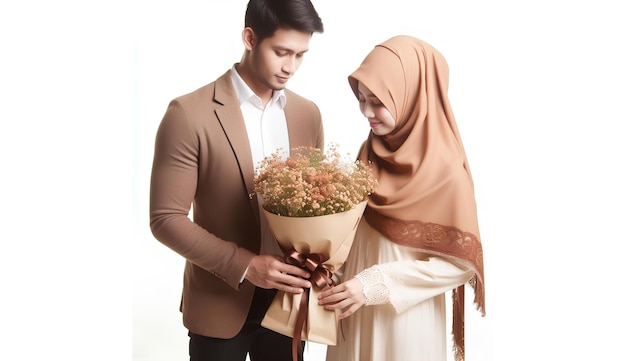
(268, 271)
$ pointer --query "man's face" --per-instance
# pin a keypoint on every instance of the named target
(277, 58)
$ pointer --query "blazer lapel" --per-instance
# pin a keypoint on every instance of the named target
(230, 118)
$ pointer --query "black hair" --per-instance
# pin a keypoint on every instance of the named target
(265, 16)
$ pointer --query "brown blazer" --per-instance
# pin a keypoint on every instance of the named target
(202, 158)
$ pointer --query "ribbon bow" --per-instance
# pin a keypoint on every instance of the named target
(321, 277)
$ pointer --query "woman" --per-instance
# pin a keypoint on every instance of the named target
(419, 234)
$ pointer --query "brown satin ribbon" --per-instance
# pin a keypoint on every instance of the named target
(320, 277)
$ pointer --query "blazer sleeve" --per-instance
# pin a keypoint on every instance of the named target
(172, 188)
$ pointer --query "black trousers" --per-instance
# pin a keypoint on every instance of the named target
(253, 339)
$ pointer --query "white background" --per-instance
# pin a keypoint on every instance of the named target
(538, 90)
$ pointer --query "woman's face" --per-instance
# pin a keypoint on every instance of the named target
(380, 119)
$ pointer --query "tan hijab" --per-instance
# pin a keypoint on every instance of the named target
(425, 198)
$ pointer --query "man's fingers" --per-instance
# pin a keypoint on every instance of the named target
(289, 280)
(293, 270)
(270, 272)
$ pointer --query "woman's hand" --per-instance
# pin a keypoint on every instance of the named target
(347, 296)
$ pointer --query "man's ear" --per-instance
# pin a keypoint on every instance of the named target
(249, 38)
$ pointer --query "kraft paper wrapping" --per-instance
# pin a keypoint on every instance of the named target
(331, 235)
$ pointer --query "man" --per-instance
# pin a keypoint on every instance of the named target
(206, 148)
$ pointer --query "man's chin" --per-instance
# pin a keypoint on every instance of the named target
(279, 86)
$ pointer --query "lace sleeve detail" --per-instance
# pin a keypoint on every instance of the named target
(403, 284)
(374, 288)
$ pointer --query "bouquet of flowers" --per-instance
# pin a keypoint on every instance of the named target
(313, 203)
(311, 183)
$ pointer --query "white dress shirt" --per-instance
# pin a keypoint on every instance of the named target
(267, 127)
(267, 132)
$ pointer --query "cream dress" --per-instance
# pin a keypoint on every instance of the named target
(405, 313)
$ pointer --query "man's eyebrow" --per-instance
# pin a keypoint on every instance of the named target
(283, 48)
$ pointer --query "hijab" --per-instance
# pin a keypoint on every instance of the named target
(425, 197)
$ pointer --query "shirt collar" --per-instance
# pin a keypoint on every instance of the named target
(245, 94)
